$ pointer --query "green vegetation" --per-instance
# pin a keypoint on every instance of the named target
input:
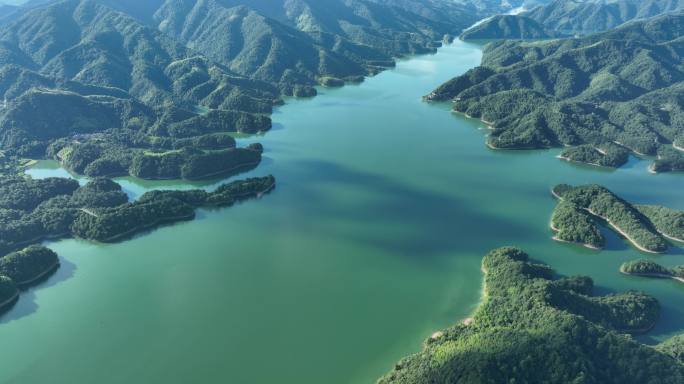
(623, 87)
(8, 293)
(649, 268)
(575, 225)
(607, 155)
(668, 222)
(29, 264)
(574, 222)
(161, 207)
(35, 210)
(509, 27)
(673, 347)
(573, 17)
(531, 328)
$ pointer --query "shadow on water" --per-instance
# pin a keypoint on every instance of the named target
(411, 221)
(27, 303)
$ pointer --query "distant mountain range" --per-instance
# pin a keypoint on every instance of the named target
(509, 27)
(570, 17)
(125, 77)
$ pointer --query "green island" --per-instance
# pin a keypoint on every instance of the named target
(648, 268)
(620, 87)
(28, 265)
(533, 328)
(580, 208)
(572, 17)
(669, 222)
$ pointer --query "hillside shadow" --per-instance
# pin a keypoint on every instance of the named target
(410, 221)
(27, 303)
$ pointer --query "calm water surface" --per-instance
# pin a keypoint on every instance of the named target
(371, 242)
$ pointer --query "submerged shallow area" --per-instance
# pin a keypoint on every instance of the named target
(371, 241)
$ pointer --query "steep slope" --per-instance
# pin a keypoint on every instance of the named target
(509, 27)
(577, 16)
(624, 86)
(300, 43)
(78, 73)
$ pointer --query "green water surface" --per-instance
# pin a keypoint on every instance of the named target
(371, 242)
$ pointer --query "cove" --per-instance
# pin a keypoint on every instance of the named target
(371, 241)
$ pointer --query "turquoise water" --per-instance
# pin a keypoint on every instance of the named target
(371, 242)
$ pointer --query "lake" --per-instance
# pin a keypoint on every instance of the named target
(371, 242)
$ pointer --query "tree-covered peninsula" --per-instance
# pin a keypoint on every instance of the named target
(582, 208)
(648, 268)
(32, 211)
(620, 88)
(532, 327)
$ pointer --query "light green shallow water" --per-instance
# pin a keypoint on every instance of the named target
(371, 241)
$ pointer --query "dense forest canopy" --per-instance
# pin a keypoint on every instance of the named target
(581, 210)
(618, 88)
(533, 327)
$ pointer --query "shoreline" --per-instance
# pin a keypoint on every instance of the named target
(623, 233)
(556, 238)
(654, 275)
(615, 227)
(133, 231)
(569, 160)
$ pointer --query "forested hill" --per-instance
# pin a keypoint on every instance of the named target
(116, 87)
(534, 328)
(509, 27)
(571, 17)
(623, 87)
(307, 42)
(588, 16)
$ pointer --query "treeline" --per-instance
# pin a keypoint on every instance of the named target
(532, 328)
(23, 268)
(100, 210)
(572, 221)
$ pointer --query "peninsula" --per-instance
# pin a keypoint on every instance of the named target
(534, 328)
